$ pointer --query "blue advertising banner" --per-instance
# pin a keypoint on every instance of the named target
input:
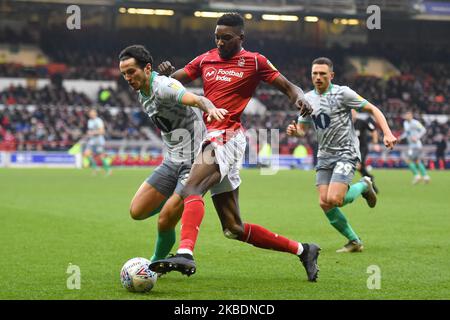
(25, 159)
(437, 8)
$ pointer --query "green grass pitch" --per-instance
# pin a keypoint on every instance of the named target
(50, 218)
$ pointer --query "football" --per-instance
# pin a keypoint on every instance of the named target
(136, 276)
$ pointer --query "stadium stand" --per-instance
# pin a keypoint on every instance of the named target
(53, 117)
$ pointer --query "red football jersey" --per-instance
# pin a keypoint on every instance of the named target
(230, 84)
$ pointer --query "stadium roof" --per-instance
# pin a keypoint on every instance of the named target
(417, 9)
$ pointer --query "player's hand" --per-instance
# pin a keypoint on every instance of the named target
(291, 130)
(216, 114)
(166, 68)
(389, 141)
(304, 107)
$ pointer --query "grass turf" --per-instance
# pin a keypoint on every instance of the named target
(50, 218)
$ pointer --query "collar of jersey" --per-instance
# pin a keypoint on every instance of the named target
(236, 55)
(328, 90)
(152, 77)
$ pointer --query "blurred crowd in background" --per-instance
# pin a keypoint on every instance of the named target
(52, 118)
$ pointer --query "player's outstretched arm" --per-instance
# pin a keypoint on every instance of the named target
(204, 104)
(295, 94)
(166, 69)
(389, 139)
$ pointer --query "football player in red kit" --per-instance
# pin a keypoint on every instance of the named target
(230, 76)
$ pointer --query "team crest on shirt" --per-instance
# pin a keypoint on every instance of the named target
(241, 62)
(332, 101)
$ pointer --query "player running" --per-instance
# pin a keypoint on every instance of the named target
(230, 76)
(413, 132)
(338, 151)
(95, 146)
(165, 100)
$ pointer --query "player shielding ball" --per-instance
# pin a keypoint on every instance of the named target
(166, 102)
(338, 152)
(230, 76)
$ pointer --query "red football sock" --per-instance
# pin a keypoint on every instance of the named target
(194, 210)
(263, 238)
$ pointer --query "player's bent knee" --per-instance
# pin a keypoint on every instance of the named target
(166, 222)
(326, 206)
(335, 201)
(136, 214)
(190, 190)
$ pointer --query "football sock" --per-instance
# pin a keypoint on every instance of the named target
(340, 223)
(422, 169)
(92, 162)
(164, 243)
(263, 238)
(194, 210)
(413, 168)
(354, 191)
(105, 163)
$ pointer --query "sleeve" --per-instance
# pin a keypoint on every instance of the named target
(421, 129)
(353, 100)
(193, 68)
(266, 69)
(171, 90)
(306, 119)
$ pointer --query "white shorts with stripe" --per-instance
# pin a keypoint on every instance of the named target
(229, 157)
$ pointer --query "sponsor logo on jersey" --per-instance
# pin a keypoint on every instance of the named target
(174, 86)
(228, 75)
(210, 73)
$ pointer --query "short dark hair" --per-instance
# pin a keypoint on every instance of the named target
(138, 52)
(324, 60)
(232, 19)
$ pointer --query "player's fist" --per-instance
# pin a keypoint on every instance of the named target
(304, 107)
(166, 68)
(216, 114)
(389, 141)
(291, 130)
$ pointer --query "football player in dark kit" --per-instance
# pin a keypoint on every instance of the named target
(363, 128)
